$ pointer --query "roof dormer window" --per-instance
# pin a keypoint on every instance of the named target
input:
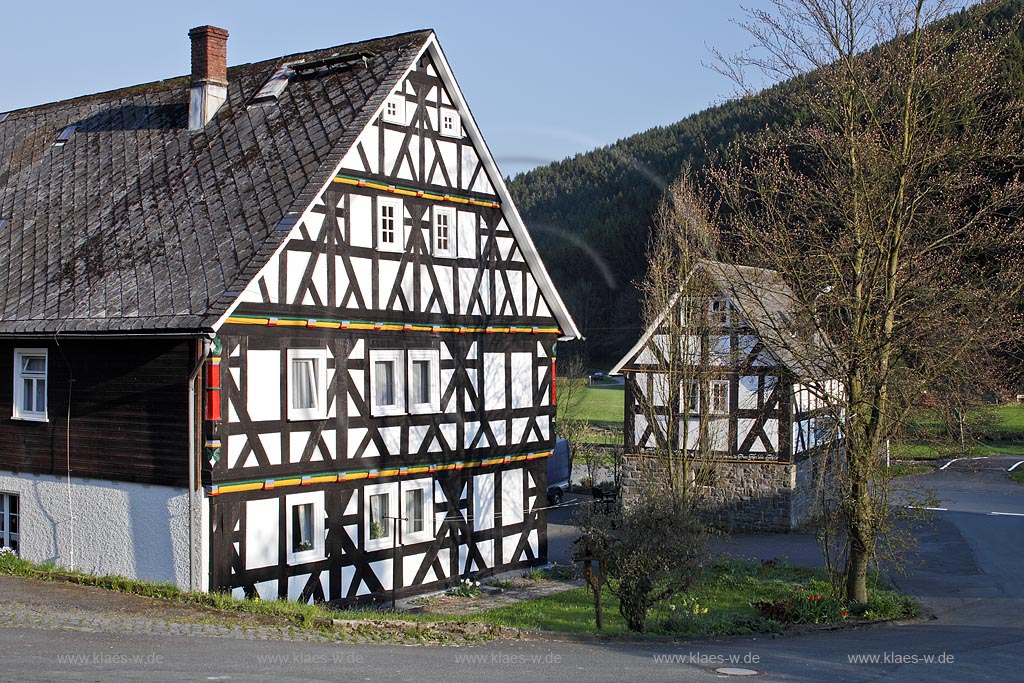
(64, 136)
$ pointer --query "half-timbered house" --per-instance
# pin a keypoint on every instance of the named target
(276, 329)
(752, 408)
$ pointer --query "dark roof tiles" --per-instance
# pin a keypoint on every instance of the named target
(137, 224)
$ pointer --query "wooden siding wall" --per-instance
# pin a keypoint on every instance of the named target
(129, 419)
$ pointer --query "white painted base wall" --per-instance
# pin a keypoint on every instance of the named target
(119, 528)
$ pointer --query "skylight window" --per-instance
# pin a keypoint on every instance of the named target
(64, 136)
(3, 222)
(275, 85)
(3, 116)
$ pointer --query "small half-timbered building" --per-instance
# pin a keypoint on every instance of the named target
(276, 330)
(751, 410)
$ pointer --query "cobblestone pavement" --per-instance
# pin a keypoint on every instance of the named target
(27, 603)
(19, 615)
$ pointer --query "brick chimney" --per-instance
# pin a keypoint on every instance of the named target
(209, 74)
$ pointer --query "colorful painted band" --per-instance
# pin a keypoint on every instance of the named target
(328, 324)
(353, 475)
(410, 192)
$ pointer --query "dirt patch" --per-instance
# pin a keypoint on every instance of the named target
(491, 597)
(55, 596)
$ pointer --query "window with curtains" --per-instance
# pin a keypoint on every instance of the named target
(387, 381)
(30, 367)
(417, 521)
(306, 535)
(9, 521)
(403, 382)
(381, 514)
(424, 381)
(307, 384)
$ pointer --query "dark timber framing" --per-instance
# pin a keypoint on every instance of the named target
(482, 452)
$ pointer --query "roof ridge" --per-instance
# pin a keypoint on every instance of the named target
(175, 81)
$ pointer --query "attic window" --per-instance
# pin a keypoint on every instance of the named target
(64, 136)
(274, 86)
(451, 124)
(394, 109)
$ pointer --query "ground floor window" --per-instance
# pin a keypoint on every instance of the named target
(306, 534)
(398, 514)
(381, 513)
(9, 521)
(417, 522)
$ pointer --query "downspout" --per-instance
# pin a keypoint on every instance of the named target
(193, 460)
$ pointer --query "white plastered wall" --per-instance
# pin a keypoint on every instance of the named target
(121, 528)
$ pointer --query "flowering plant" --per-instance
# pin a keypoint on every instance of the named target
(467, 588)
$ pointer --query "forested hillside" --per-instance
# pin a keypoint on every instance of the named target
(590, 214)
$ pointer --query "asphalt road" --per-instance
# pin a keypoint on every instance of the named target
(967, 572)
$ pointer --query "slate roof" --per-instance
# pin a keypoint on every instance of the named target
(770, 307)
(137, 224)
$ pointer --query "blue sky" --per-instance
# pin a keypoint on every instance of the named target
(545, 80)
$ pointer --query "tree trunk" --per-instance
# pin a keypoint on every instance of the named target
(859, 535)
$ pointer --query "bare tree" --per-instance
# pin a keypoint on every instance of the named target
(678, 306)
(892, 210)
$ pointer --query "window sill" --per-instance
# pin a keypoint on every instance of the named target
(417, 537)
(30, 418)
(379, 544)
(306, 557)
(306, 418)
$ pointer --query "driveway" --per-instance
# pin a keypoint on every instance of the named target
(967, 572)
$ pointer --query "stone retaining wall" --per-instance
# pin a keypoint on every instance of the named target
(745, 496)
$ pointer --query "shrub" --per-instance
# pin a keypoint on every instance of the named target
(650, 551)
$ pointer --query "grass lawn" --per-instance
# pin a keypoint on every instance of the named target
(723, 603)
(734, 598)
(1018, 475)
(600, 404)
(1003, 436)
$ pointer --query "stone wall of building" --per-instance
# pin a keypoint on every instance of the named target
(816, 485)
(745, 496)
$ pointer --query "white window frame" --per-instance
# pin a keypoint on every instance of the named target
(391, 490)
(694, 394)
(434, 358)
(398, 216)
(689, 311)
(397, 101)
(453, 131)
(718, 317)
(711, 396)
(427, 486)
(435, 227)
(318, 551)
(398, 358)
(6, 535)
(18, 412)
(318, 412)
